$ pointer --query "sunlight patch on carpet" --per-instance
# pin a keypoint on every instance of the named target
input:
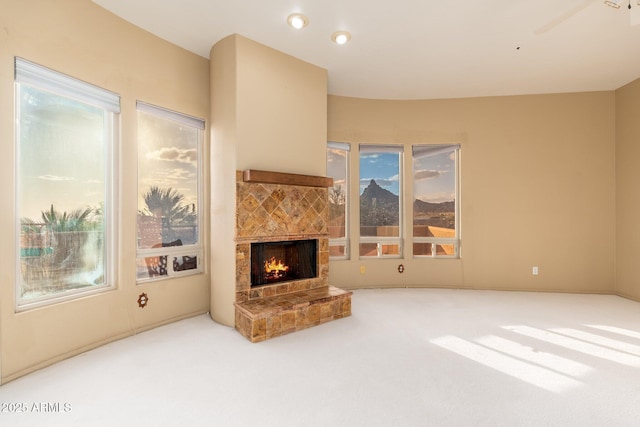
(524, 371)
(577, 345)
(547, 360)
(616, 330)
(599, 340)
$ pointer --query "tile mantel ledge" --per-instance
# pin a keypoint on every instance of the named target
(280, 238)
(268, 177)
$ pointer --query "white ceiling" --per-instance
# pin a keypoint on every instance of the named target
(421, 49)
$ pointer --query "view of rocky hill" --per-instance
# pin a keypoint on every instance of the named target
(379, 206)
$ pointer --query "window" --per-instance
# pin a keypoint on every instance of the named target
(169, 155)
(66, 137)
(435, 206)
(338, 169)
(380, 201)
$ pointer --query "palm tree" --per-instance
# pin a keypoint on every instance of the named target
(56, 245)
(76, 220)
(167, 204)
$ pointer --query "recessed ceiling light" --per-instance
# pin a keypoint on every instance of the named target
(341, 37)
(613, 3)
(297, 20)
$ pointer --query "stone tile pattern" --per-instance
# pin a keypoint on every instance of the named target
(266, 211)
(275, 212)
(264, 318)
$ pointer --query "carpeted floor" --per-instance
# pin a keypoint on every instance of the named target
(406, 357)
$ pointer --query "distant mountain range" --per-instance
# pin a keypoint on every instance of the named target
(425, 207)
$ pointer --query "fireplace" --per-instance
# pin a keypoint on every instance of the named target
(273, 262)
(282, 255)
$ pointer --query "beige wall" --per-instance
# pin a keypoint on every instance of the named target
(627, 194)
(537, 189)
(269, 112)
(78, 38)
(536, 173)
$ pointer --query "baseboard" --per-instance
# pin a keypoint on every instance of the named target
(471, 288)
(100, 343)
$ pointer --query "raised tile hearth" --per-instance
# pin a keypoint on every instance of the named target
(283, 208)
(263, 318)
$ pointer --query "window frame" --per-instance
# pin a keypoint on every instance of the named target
(343, 241)
(187, 250)
(382, 241)
(438, 241)
(43, 79)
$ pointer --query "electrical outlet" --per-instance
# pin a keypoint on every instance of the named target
(362, 269)
(535, 271)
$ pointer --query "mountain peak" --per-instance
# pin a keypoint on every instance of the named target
(375, 191)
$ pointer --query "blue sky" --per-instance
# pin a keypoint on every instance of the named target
(434, 175)
(383, 168)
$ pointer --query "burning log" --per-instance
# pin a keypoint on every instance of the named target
(275, 269)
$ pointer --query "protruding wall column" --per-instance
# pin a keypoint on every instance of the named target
(263, 103)
(223, 180)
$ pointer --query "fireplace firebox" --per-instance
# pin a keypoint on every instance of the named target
(273, 262)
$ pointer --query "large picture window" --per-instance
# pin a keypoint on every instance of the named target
(338, 169)
(435, 206)
(169, 156)
(381, 201)
(66, 139)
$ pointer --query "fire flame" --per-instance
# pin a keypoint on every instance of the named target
(275, 267)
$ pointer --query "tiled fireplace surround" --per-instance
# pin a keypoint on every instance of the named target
(273, 207)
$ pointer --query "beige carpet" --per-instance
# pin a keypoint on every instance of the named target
(406, 357)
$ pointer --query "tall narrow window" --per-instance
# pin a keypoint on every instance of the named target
(169, 214)
(338, 169)
(436, 201)
(66, 139)
(381, 201)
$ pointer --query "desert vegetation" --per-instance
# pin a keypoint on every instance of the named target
(61, 250)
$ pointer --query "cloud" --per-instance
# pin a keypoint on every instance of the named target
(426, 174)
(174, 154)
(56, 178)
(178, 174)
(382, 182)
(336, 158)
(164, 177)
